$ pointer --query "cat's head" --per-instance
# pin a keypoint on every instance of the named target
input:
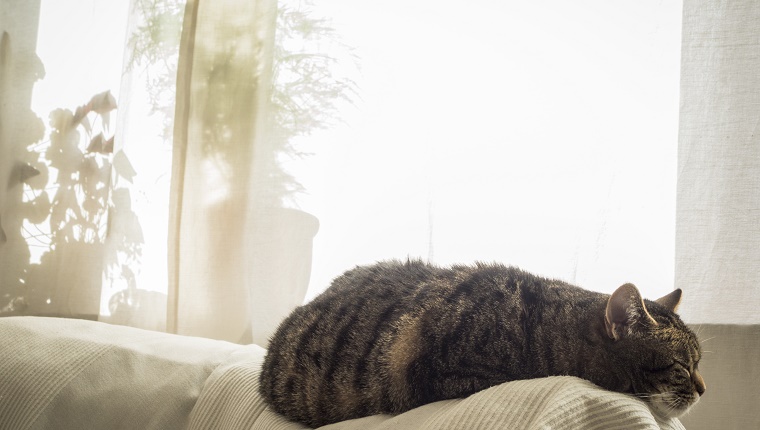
(655, 350)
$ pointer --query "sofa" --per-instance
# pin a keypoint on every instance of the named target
(77, 374)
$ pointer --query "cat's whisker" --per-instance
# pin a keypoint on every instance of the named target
(705, 340)
(671, 401)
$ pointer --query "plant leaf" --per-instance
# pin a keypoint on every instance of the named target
(102, 103)
(123, 167)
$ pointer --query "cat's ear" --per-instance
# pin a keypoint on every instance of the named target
(625, 311)
(672, 300)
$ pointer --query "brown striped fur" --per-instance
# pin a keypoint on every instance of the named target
(393, 336)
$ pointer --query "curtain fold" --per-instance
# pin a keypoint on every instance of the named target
(213, 142)
(179, 156)
(230, 240)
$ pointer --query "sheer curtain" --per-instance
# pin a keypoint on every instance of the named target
(238, 260)
(141, 142)
(57, 154)
(492, 132)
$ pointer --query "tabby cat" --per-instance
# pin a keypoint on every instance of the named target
(392, 336)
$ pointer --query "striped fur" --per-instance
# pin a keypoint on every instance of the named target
(393, 336)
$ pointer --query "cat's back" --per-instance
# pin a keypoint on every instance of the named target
(400, 277)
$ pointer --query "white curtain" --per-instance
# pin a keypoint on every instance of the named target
(238, 260)
(718, 234)
(56, 155)
(152, 196)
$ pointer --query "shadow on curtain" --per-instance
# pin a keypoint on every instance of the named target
(78, 217)
(20, 68)
(66, 222)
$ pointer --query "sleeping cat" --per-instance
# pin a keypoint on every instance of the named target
(392, 336)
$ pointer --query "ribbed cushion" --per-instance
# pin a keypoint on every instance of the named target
(72, 374)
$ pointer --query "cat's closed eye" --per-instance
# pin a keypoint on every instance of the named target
(681, 374)
(660, 368)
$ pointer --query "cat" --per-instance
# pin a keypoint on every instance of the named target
(392, 336)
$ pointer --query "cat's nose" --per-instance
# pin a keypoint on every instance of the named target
(699, 383)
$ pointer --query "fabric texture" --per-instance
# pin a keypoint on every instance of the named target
(547, 403)
(718, 198)
(718, 202)
(76, 374)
